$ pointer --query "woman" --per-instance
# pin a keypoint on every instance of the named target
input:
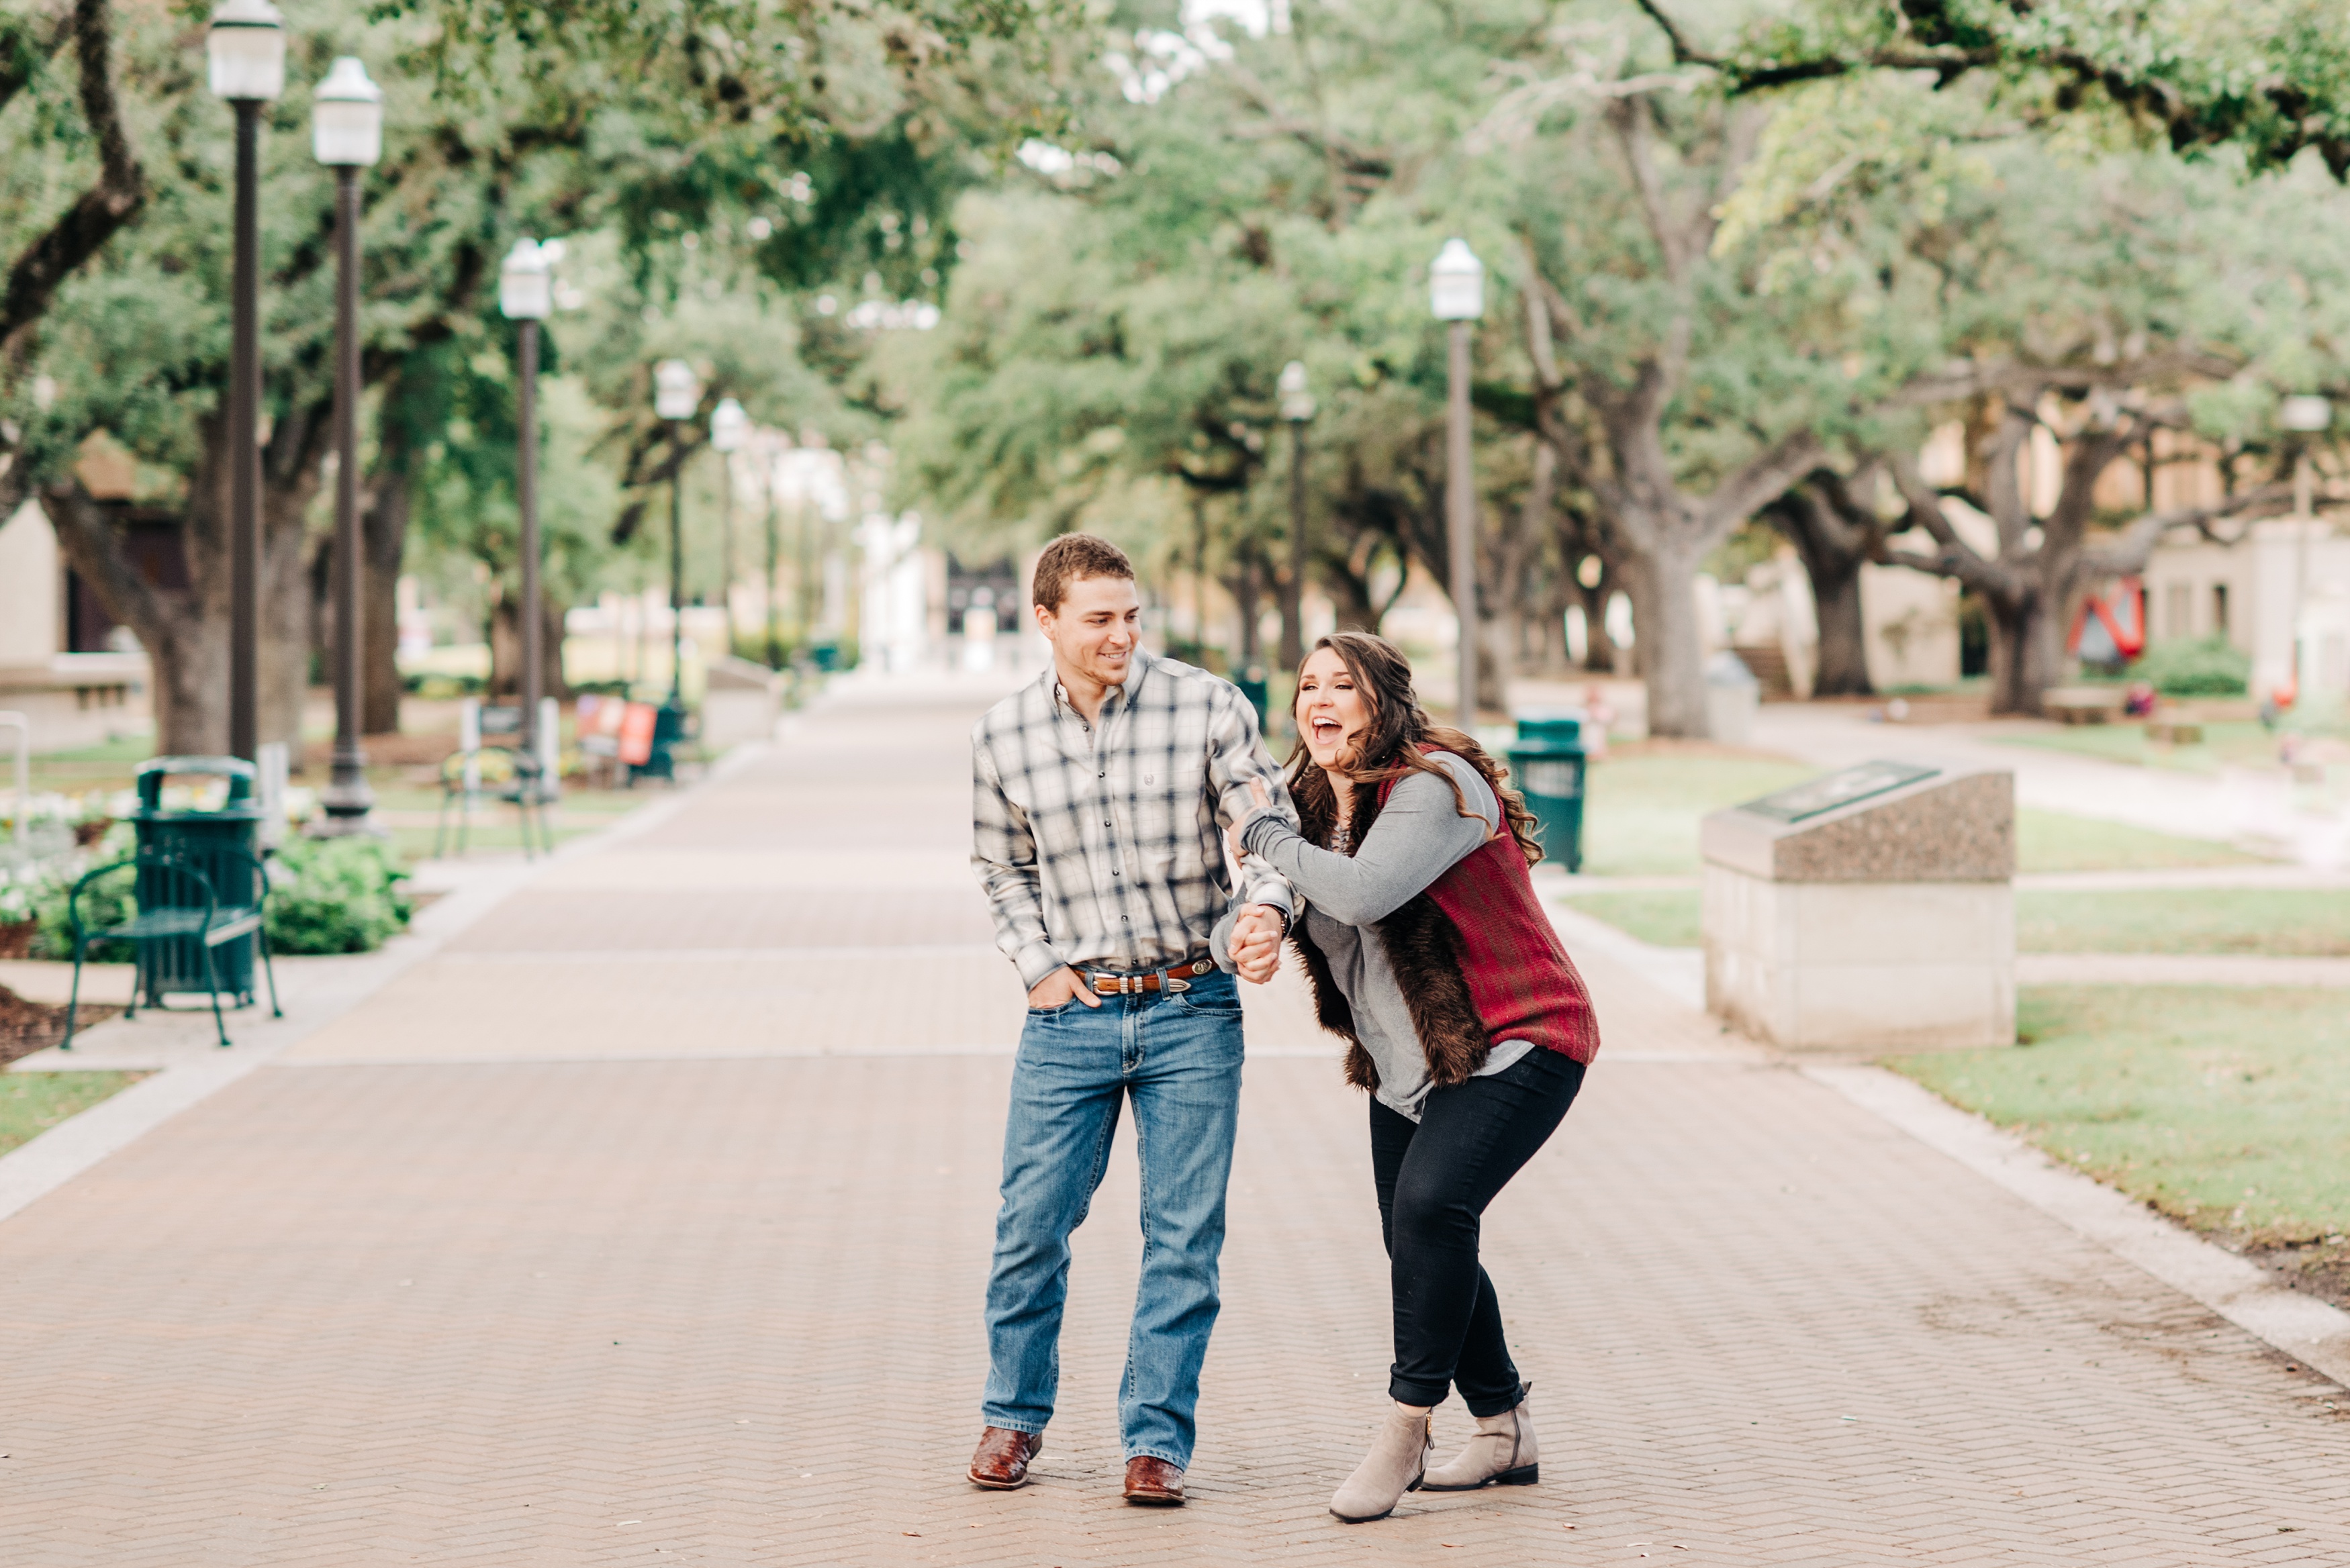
(1431, 955)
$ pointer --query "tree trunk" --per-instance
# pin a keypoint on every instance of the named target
(2014, 622)
(186, 631)
(187, 650)
(285, 618)
(1665, 633)
(1844, 633)
(505, 649)
(1244, 601)
(383, 533)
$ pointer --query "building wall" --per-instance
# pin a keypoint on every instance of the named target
(2252, 591)
(32, 590)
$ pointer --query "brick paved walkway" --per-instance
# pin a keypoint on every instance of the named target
(647, 1221)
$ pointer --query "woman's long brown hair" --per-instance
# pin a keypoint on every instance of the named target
(1392, 745)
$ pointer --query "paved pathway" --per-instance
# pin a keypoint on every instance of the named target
(646, 1220)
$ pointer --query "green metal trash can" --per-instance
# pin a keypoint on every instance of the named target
(1253, 682)
(670, 725)
(215, 843)
(1547, 761)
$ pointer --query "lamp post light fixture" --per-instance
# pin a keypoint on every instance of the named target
(346, 135)
(677, 393)
(1296, 411)
(1456, 287)
(2305, 414)
(728, 426)
(244, 52)
(525, 298)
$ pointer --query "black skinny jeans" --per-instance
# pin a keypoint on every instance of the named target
(1435, 1178)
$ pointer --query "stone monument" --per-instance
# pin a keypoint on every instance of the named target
(1868, 909)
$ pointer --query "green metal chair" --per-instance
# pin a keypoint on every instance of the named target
(174, 902)
(505, 773)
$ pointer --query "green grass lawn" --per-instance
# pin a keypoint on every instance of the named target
(2289, 923)
(2051, 841)
(1642, 805)
(33, 1103)
(2222, 1109)
(2244, 741)
(1666, 916)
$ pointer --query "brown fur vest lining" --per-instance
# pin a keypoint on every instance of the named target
(1422, 946)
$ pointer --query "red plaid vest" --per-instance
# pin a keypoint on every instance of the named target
(1521, 980)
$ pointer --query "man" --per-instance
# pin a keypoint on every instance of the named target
(1098, 796)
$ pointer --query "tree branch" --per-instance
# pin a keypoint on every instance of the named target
(1761, 479)
(23, 53)
(1925, 508)
(119, 191)
(2131, 550)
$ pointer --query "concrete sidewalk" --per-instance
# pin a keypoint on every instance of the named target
(647, 1215)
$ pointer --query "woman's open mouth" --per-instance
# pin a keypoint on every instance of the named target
(1327, 730)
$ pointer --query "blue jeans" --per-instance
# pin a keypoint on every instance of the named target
(1177, 1057)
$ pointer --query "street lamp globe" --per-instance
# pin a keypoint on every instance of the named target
(728, 425)
(347, 117)
(677, 391)
(245, 50)
(1296, 403)
(2305, 412)
(1456, 282)
(526, 282)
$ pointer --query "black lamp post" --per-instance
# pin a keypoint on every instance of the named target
(677, 393)
(1298, 412)
(245, 52)
(525, 295)
(346, 135)
(728, 427)
(1457, 295)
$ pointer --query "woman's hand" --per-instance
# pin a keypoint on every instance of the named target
(1262, 799)
(1257, 943)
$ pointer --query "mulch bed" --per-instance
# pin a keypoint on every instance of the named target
(29, 1026)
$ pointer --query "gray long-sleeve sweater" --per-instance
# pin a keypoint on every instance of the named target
(1419, 836)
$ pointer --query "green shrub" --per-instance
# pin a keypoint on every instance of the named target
(105, 902)
(335, 896)
(2208, 668)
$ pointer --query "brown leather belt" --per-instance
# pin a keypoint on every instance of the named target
(1174, 977)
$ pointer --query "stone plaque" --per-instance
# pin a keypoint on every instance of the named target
(1816, 797)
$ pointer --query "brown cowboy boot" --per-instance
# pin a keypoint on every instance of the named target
(1002, 1462)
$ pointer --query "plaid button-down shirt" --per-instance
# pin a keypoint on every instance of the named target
(1101, 845)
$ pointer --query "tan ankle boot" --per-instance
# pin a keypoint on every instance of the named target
(1398, 1460)
(1503, 1453)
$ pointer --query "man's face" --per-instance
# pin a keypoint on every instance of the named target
(1095, 630)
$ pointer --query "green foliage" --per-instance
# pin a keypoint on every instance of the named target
(335, 896)
(2266, 78)
(2207, 667)
(107, 901)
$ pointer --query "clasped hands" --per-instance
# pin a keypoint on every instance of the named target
(1256, 934)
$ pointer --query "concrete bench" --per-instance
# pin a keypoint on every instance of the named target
(2083, 704)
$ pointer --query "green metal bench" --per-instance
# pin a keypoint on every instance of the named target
(174, 902)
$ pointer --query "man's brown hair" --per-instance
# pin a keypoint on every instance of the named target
(1069, 558)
